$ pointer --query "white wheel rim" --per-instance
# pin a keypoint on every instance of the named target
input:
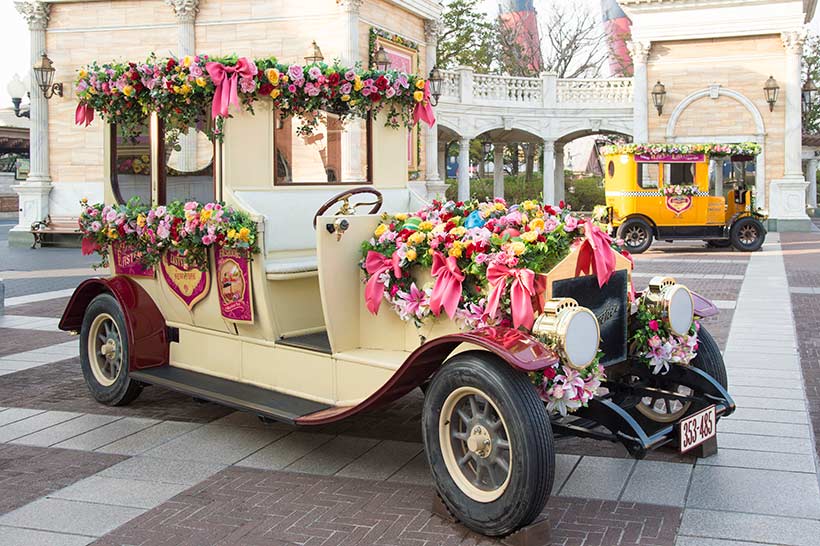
(105, 349)
(475, 444)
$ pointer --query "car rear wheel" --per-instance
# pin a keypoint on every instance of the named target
(104, 353)
(636, 234)
(709, 359)
(747, 234)
(489, 443)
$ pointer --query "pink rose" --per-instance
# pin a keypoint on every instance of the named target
(653, 325)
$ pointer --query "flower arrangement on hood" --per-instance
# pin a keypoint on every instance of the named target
(709, 149)
(680, 189)
(190, 228)
(185, 92)
(654, 342)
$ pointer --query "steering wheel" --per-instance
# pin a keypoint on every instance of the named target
(347, 208)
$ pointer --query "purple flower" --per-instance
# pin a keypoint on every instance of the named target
(350, 75)
(315, 72)
(346, 88)
(402, 81)
(296, 72)
(247, 85)
(312, 90)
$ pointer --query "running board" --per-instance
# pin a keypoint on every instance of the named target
(241, 396)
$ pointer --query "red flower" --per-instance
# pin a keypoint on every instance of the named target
(382, 83)
(550, 373)
(561, 204)
(265, 89)
(134, 75)
(404, 234)
(170, 65)
(375, 97)
(653, 325)
(333, 79)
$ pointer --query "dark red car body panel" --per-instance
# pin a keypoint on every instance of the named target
(518, 349)
(147, 334)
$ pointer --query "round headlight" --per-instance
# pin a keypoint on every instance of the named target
(580, 332)
(679, 307)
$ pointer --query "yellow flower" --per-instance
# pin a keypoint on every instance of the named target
(419, 84)
(284, 78)
(84, 200)
(128, 90)
(83, 74)
(455, 252)
(141, 220)
(427, 225)
(205, 215)
(380, 230)
(529, 236)
(458, 231)
(529, 205)
(185, 88)
(91, 91)
(402, 216)
(114, 90)
(357, 84)
(499, 206)
(186, 61)
(537, 224)
(244, 234)
(418, 96)
(275, 93)
(232, 233)
(272, 75)
(200, 81)
(518, 248)
(411, 254)
(345, 98)
(417, 238)
(112, 233)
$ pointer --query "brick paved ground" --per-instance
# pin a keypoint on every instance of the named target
(27, 472)
(49, 308)
(17, 341)
(247, 506)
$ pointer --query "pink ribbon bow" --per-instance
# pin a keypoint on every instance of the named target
(84, 114)
(447, 290)
(375, 264)
(596, 254)
(423, 110)
(89, 246)
(522, 290)
(225, 79)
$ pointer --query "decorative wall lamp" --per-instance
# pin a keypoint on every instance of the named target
(381, 59)
(314, 54)
(659, 96)
(772, 90)
(807, 94)
(44, 75)
(435, 80)
(17, 89)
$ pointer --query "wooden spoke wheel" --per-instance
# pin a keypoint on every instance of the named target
(663, 409)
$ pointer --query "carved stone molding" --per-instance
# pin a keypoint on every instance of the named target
(35, 13)
(432, 29)
(793, 41)
(185, 10)
(351, 5)
(639, 51)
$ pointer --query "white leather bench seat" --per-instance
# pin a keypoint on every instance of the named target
(291, 265)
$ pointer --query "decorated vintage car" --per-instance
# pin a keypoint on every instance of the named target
(517, 321)
(676, 192)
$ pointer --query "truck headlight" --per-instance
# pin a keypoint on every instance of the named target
(676, 302)
(573, 329)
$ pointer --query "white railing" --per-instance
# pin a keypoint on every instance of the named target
(464, 86)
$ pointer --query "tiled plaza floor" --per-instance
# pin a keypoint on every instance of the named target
(167, 470)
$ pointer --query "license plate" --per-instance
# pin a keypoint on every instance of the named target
(697, 428)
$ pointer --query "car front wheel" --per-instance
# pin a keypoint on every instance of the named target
(747, 234)
(489, 443)
(636, 234)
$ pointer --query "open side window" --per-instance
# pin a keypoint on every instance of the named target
(648, 175)
(130, 168)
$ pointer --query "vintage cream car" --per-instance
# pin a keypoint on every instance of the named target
(313, 354)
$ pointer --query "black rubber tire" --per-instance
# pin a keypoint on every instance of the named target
(532, 449)
(636, 223)
(719, 243)
(747, 221)
(123, 391)
(709, 359)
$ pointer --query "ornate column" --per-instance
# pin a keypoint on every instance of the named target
(33, 193)
(464, 169)
(435, 184)
(352, 135)
(787, 195)
(811, 177)
(498, 170)
(640, 93)
(548, 167)
(186, 11)
(559, 173)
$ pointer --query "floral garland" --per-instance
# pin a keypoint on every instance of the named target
(181, 90)
(654, 342)
(709, 149)
(189, 228)
(677, 189)
(566, 389)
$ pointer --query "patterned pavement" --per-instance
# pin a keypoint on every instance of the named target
(167, 470)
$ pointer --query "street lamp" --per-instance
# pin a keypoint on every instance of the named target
(435, 80)
(17, 89)
(381, 59)
(771, 89)
(808, 92)
(659, 96)
(314, 54)
(486, 145)
(44, 75)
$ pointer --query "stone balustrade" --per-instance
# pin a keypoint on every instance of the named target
(547, 91)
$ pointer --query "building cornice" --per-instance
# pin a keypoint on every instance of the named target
(426, 9)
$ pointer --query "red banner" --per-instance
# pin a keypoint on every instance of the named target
(233, 277)
(127, 261)
(669, 158)
(188, 284)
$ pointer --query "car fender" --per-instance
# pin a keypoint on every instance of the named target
(146, 331)
(517, 348)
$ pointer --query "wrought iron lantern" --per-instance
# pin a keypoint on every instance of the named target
(435, 80)
(381, 59)
(314, 54)
(659, 96)
(807, 93)
(17, 89)
(486, 146)
(44, 75)
(772, 90)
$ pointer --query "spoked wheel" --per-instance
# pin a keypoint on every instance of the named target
(104, 353)
(489, 443)
(747, 234)
(637, 235)
(662, 409)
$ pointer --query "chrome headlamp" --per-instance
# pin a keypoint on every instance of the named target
(573, 329)
(675, 301)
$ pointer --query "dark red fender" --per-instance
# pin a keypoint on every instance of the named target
(147, 335)
(518, 349)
